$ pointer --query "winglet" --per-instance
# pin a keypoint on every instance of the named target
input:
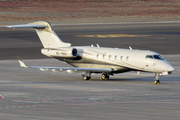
(21, 62)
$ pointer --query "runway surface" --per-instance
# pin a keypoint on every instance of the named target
(33, 94)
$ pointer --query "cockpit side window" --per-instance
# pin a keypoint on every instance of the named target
(149, 56)
(159, 57)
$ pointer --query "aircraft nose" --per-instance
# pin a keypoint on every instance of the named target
(170, 68)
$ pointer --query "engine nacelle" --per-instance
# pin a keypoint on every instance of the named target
(64, 52)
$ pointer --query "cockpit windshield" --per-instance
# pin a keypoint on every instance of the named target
(158, 57)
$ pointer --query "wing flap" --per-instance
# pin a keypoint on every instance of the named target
(68, 69)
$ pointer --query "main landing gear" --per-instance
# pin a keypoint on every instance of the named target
(104, 76)
(87, 76)
(156, 79)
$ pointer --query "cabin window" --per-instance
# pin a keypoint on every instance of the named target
(115, 57)
(103, 56)
(121, 57)
(109, 56)
(97, 56)
(127, 58)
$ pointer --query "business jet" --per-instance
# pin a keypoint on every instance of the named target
(95, 59)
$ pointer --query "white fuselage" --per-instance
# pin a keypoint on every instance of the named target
(119, 60)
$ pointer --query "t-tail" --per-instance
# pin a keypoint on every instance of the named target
(48, 37)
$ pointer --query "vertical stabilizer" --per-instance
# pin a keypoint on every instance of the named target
(48, 37)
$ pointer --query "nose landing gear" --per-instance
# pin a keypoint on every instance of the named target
(156, 79)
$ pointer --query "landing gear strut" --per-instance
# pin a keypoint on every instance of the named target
(86, 76)
(156, 79)
(104, 76)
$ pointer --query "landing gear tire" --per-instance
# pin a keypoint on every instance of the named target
(84, 77)
(156, 82)
(156, 79)
(104, 77)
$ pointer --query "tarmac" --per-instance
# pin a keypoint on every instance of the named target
(35, 95)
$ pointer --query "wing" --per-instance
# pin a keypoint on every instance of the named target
(68, 69)
(26, 25)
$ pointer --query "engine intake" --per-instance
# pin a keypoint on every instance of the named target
(75, 52)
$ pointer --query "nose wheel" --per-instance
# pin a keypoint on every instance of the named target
(156, 81)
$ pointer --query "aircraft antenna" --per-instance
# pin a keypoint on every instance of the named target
(130, 48)
(97, 45)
